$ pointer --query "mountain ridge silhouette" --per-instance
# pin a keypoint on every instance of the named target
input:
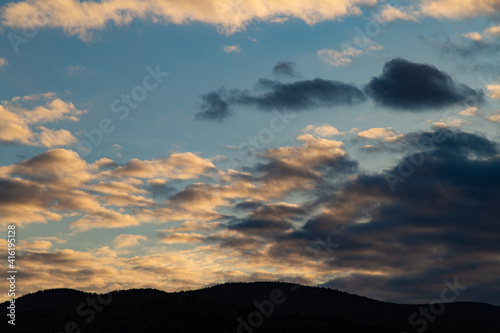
(241, 307)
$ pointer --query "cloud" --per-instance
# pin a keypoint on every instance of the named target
(81, 18)
(72, 70)
(258, 226)
(405, 85)
(232, 48)
(36, 245)
(104, 269)
(182, 238)
(56, 167)
(285, 68)
(301, 168)
(195, 226)
(105, 162)
(3, 62)
(456, 185)
(387, 134)
(274, 95)
(23, 202)
(286, 170)
(475, 36)
(493, 90)
(469, 112)
(452, 9)
(390, 14)
(55, 138)
(314, 152)
(13, 128)
(324, 130)
(278, 211)
(57, 182)
(176, 166)
(495, 118)
(450, 122)
(493, 31)
(443, 211)
(474, 45)
(18, 121)
(300, 95)
(126, 240)
(339, 58)
(344, 57)
(213, 107)
(55, 110)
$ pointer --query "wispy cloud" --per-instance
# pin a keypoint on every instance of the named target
(493, 90)
(22, 125)
(389, 13)
(348, 52)
(232, 48)
(3, 62)
(81, 18)
(125, 240)
(476, 36)
(72, 70)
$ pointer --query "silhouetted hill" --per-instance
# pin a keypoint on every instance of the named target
(239, 307)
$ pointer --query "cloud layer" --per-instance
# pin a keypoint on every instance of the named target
(406, 85)
(82, 17)
(403, 86)
(305, 212)
(21, 123)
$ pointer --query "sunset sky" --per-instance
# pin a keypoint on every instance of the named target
(176, 144)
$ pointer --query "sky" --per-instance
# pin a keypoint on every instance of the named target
(352, 144)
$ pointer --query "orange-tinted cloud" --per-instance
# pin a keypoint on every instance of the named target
(81, 17)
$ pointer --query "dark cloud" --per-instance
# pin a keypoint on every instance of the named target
(441, 222)
(281, 211)
(248, 205)
(468, 54)
(192, 193)
(465, 47)
(270, 95)
(277, 169)
(213, 107)
(285, 68)
(487, 70)
(261, 226)
(406, 85)
(471, 48)
(403, 85)
(162, 190)
(16, 192)
(445, 141)
(301, 95)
